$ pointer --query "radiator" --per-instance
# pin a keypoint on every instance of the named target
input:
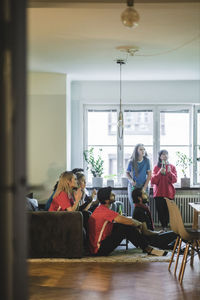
(181, 201)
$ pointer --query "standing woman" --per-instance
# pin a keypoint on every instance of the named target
(138, 172)
(163, 178)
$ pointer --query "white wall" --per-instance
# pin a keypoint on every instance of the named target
(46, 131)
(135, 92)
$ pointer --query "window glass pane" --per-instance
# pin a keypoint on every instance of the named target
(198, 164)
(102, 127)
(109, 155)
(174, 128)
(198, 146)
(198, 128)
(138, 127)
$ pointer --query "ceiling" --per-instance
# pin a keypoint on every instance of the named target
(81, 39)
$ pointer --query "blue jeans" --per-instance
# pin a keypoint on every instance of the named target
(130, 189)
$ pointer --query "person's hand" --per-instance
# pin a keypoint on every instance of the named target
(162, 171)
(137, 223)
(78, 194)
(133, 182)
(144, 189)
(168, 169)
(94, 192)
(139, 228)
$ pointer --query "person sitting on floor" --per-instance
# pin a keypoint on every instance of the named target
(159, 239)
(107, 228)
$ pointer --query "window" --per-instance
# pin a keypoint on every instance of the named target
(196, 168)
(101, 134)
(138, 128)
(175, 136)
(157, 127)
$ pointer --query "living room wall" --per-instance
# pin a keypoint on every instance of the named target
(46, 131)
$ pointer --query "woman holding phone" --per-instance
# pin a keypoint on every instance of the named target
(163, 177)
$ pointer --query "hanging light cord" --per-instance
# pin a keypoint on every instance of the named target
(120, 118)
(120, 106)
(120, 62)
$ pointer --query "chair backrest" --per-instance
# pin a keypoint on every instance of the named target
(116, 206)
(175, 219)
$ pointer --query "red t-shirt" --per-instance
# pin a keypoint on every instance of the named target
(63, 200)
(163, 184)
(100, 226)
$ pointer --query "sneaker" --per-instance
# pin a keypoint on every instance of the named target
(157, 252)
(165, 229)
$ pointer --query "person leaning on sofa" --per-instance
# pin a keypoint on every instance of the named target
(107, 228)
(68, 196)
(64, 198)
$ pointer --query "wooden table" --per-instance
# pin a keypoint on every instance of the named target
(196, 207)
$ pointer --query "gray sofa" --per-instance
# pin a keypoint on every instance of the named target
(55, 234)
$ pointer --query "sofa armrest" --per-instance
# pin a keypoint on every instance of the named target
(55, 234)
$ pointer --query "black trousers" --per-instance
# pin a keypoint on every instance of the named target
(86, 215)
(120, 232)
(163, 240)
(162, 209)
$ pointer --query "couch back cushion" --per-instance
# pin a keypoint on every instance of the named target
(55, 234)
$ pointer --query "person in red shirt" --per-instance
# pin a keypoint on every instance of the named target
(107, 228)
(163, 177)
(65, 198)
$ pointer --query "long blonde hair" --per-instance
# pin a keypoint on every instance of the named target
(63, 183)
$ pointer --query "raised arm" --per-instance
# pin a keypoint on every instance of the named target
(77, 197)
(156, 175)
(128, 221)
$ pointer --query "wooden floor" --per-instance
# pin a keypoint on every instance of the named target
(148, 281)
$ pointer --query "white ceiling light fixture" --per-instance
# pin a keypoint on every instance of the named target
(120, 122)
(130, 16)
(130, 50)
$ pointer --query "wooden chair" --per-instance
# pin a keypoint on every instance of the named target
(190, 236)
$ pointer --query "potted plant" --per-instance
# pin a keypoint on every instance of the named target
(183, 162)
(110, 179)
(123, 180)
(95, 165)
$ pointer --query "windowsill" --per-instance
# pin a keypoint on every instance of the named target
(178, 187)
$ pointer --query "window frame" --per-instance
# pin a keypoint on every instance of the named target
(196, 109)
(156, 110)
